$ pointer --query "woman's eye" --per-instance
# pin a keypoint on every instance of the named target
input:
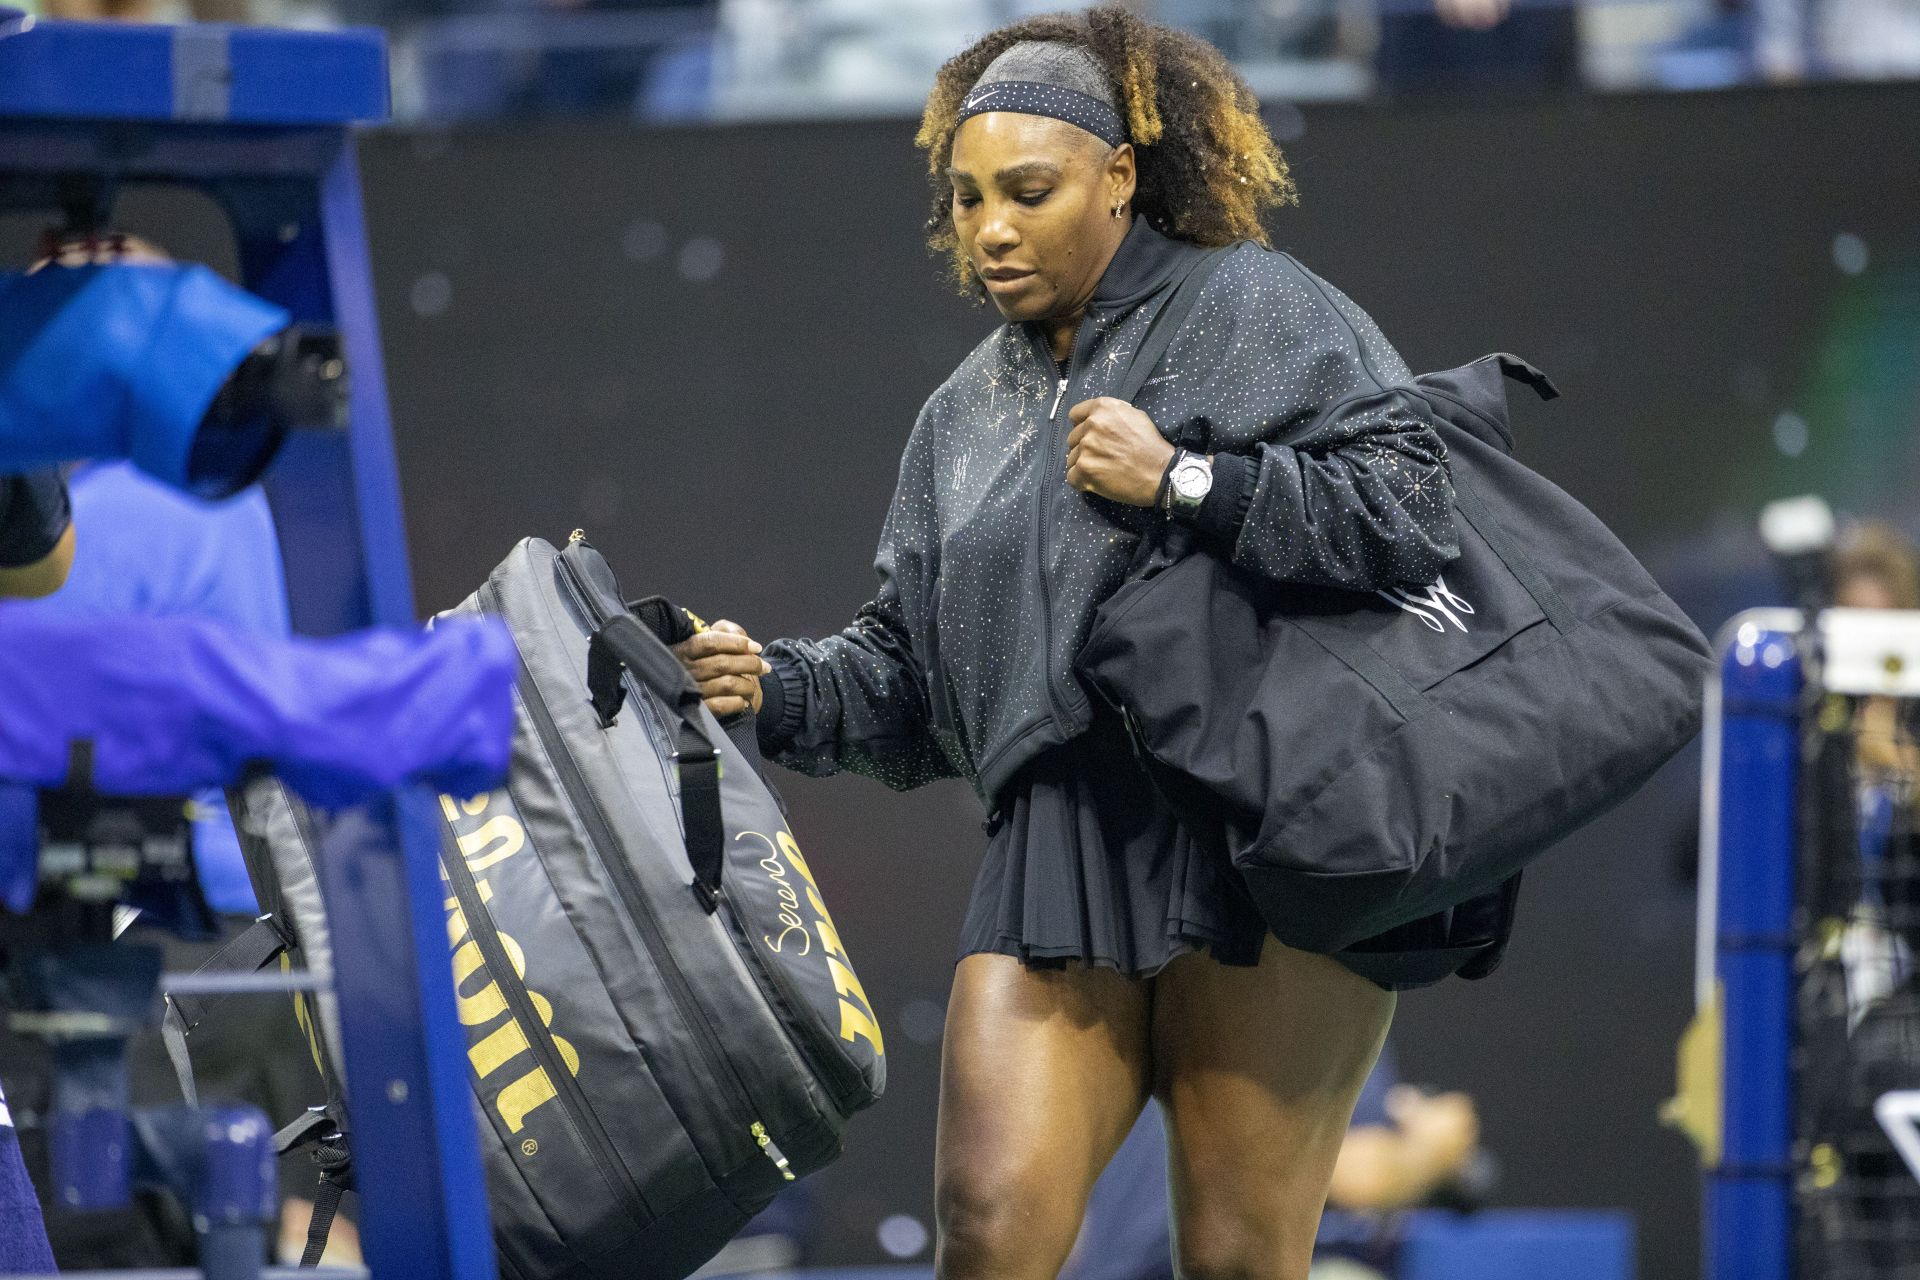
(965, 202)
(1033, 197)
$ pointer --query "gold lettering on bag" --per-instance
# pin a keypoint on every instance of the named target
(472, 806)
(495, 841)
(856, 1011)
(478, 1000)
(789, 904)
(854, 1019)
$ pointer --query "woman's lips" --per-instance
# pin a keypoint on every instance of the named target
(1007, 281)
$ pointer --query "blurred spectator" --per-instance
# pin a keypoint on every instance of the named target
(1250, 30)
(698, 59)
(1852, 39)
(36, 534)
(1870, 39)
(1875, 566)
(565, 58)
(1477, 44)
(152, 551)
(791, 57)
(277, 13)
(1861, 1208)
(103, 10)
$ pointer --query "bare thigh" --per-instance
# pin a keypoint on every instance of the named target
(1042, 1074)
(1258, 1068)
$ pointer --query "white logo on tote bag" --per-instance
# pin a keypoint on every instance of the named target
(1440, 601)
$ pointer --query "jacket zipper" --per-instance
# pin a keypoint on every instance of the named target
(1046, 515)
(833, 1075)
(580, 1118)
(692, 1012)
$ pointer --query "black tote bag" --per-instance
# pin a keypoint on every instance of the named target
(1383, 764)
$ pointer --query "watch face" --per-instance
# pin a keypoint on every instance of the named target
(1191, 480)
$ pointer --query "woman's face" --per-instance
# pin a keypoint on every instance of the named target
(1033, 202)
(1864, 591)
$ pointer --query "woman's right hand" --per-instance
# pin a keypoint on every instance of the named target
(725, 663)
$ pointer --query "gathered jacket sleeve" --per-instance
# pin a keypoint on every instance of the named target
(1349, 486)
(858, 700)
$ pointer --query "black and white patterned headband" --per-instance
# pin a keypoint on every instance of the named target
(1033, 98)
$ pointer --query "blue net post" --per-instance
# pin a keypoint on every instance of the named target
(261, 120)
(1747, 1205)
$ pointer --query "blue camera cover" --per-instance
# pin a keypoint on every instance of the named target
(119, 361)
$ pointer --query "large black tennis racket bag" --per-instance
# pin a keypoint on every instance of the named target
(663, 1025)
(1379, 761)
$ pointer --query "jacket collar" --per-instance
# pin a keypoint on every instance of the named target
(1144, 262)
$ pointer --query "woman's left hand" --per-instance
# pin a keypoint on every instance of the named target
(1115, 451)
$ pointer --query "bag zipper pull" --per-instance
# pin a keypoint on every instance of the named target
(1056, 399)
(772, 1152)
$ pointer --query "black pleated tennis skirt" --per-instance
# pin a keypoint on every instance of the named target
(1088, 863)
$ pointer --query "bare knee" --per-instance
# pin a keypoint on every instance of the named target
(1230, 1247)
(995, 1226)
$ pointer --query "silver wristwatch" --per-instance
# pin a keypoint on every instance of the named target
(1187, 486)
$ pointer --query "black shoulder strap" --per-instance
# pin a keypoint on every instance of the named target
(249, 951)
(1161, 330)
(1167, 321)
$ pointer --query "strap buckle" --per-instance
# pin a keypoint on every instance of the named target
(695, 757)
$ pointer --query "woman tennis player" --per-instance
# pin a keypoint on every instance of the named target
(1079, 163)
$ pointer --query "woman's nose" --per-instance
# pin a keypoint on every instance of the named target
(997, 234)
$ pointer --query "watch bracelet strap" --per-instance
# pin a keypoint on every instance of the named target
(1162, 496)
(1180, 455)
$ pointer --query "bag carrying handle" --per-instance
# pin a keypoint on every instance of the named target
(1522, 371)
(671, 625)
(624, 645)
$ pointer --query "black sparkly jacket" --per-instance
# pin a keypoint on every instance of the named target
(991, 566)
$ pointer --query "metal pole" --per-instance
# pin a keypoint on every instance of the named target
(416, 1154)
(1747, 1196)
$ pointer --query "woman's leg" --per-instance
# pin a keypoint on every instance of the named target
(1042, 1074)
(1258, 1068)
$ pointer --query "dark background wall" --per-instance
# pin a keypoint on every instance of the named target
(706, 346)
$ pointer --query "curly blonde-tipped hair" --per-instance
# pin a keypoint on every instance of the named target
(1207, 167)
